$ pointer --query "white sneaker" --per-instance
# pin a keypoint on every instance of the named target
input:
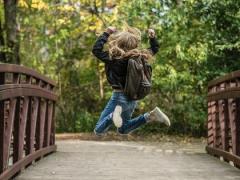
(157, 115)
(117, 118)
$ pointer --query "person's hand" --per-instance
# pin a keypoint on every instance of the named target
(111, 29)
(151, 33)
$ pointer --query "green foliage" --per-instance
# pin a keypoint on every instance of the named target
(199, 41)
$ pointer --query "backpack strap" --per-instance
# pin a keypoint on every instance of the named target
(143, 62)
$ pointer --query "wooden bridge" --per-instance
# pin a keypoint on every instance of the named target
(27, 135)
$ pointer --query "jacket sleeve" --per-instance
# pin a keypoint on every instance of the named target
(98, 48)
(154, 45)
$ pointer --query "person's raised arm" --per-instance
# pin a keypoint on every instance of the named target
(99, 44)
(154, 45)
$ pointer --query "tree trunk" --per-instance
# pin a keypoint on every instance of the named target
(2, 44)
(12, 32)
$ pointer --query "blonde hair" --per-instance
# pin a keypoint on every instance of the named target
(125, 44)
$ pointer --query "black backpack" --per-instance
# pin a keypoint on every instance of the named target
(138, 79)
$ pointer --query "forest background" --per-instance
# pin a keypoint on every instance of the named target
(199, 40)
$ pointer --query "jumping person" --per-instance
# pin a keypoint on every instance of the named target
(123, 45)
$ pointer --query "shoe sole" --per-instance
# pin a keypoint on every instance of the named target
(117, 119)
(163, 117)
(99, 134)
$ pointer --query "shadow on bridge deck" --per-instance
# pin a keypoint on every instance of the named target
(93, 160)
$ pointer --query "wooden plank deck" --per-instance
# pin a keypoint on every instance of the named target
(111, 160)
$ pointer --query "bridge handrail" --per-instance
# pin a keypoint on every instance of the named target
(12, 68)
(27, 126)
(224, 118)
(228, 77)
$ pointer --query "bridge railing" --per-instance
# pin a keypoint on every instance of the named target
(224, 118)
(27, 127)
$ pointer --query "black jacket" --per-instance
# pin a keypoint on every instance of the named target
(116, 69)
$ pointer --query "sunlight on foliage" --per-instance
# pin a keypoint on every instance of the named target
(35, 4)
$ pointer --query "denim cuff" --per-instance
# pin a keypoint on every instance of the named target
(146, 116)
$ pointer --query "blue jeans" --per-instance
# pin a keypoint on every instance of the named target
(128, 106)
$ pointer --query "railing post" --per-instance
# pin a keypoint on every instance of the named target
(52, 139)
(31, 125)
(224, 121)
(2, 78)
(40, 124)
(7, 127)
(1, 136)
(19, 129)
(210, 126)
(237, 126)
(48, 123)
(16, 132)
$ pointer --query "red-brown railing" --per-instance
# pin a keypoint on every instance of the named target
(27, 127)
(224, 118)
